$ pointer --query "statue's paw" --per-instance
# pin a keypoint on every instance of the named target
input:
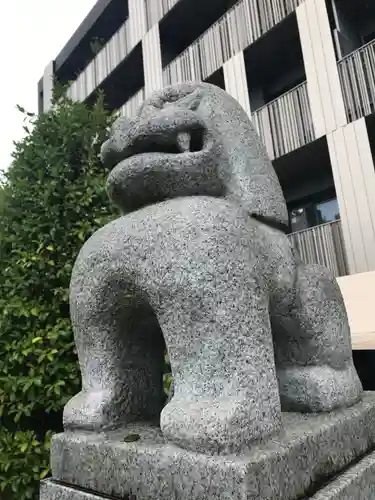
(318, 388)
(222, 425)
(94, 411)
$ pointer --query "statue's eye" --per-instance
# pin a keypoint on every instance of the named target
(191, 101)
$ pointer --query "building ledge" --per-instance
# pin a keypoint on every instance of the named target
(104, 19)
(363, 341)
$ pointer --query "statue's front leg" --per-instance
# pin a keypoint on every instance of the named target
(217, 328)
(313, 345)
(225, 390)
(120, 348)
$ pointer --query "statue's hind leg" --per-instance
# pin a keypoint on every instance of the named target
(313, 345)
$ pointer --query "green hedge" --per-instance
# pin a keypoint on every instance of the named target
(55, 199)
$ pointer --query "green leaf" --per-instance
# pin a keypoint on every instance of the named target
(44, 473)
(52, 199)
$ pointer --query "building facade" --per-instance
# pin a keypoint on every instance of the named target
(304, 71)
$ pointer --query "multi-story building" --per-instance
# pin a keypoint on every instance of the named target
(304, 70)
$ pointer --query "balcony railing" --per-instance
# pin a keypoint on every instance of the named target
(244, 23)
(357, 74)
(285, 124)
(105, 61)
(130, 108)
(157, 9)
(323, 245)
(115, 50)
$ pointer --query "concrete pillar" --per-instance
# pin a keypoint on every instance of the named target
(152, 64)
(236, 80)
(48, 82)
(323, 82)
(137, 21)
(354, 176)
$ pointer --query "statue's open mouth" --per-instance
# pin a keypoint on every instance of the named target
(191, 141)
(154, 165)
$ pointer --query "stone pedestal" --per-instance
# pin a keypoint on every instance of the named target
(322, 457)
(356, 483)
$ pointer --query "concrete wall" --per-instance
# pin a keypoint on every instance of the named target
(359, 292)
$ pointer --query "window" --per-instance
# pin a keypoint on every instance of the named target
(327, 211)
(312, 214)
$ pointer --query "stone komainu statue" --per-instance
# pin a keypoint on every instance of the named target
(200, 263)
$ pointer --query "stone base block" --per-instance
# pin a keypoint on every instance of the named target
(357, 483)
(310, 451)
(50, 490)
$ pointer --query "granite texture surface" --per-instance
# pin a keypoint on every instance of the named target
(195, 267)
(50, 490)
(291, 465)
(356, 483)
(199, 263)
(312, 343)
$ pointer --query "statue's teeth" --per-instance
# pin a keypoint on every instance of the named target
(183, 141)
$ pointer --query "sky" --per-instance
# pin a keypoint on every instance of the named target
(32, 33)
